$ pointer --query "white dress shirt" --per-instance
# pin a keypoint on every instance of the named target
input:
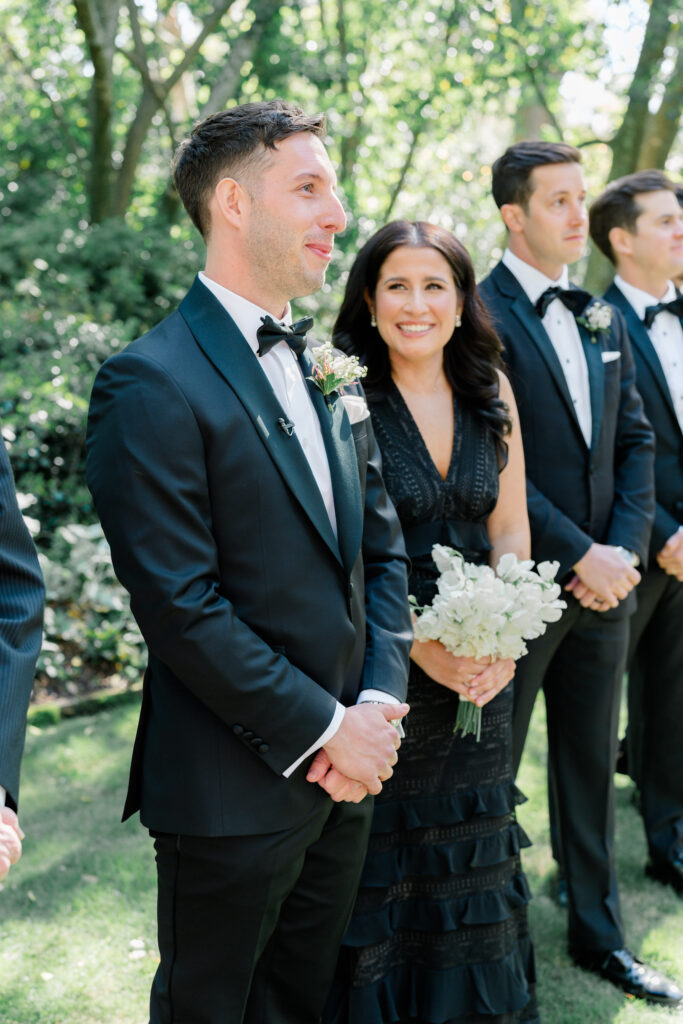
(284, 374)
(561, 328)
(666, 335)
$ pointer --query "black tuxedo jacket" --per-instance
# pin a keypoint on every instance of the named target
(255, 616)
(21, 614)
(660, 411)
(576, 494)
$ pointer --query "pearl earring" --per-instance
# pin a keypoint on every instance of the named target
(373, 320)
(458, 320)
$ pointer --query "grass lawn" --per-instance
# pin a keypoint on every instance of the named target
(77, 915)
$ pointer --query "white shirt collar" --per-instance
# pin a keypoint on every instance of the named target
(246, 314)
(639, 299)
(533, 281)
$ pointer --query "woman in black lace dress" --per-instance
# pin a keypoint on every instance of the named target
(439, 932)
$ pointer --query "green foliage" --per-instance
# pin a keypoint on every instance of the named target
(88, 293)
(89, 631)
(421, 97)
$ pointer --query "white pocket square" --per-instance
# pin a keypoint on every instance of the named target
(356, 407)
(608, 357)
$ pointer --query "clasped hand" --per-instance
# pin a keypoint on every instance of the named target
(361, 754)
(10, 840)
(477, 679)
(603, 578)
(670, 558)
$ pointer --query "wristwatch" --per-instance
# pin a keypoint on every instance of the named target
(629, 556)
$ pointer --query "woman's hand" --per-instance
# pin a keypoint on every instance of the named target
(445, 668)
(477, 679)
(491, 681)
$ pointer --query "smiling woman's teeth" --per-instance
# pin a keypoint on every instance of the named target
(414, 328)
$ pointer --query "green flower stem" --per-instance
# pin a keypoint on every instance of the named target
(468, 719)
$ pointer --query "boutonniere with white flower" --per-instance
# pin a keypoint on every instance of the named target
(478, 612)
(596, 318)
(333, 370)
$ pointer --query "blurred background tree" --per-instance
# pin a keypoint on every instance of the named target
(421, 96)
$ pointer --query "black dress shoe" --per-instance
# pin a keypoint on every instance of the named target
(627, 972)
(668, 873)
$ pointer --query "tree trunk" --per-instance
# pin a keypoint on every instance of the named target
(627, 141)
(227, 85)
(662, 127)
(99, 22)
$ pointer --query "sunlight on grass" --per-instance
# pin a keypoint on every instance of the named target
(78, 939)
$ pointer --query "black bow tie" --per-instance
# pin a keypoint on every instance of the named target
(272, 332)
(573, 298)
(675, 307)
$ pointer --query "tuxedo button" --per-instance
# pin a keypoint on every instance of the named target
(247, 734)
(256, 742)
(264, 748)
(238, 729)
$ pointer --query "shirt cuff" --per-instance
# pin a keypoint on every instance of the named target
(377, 696)
(380, 697)
(3, 794)
(321, 741)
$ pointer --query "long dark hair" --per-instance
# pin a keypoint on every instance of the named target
(472, 356)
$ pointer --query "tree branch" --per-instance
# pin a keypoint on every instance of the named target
(628, 138)
(662, 127)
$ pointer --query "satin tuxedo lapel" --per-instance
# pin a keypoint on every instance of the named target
(341, 454)
(641, 340)
(225, 346)
(596, 380)
(531, 322)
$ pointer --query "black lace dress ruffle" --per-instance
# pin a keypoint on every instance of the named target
(439, 931)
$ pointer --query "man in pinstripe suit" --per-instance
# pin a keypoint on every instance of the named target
(21, 611)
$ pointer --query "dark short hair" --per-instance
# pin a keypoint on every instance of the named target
(511, 172)
(228, 144)
(472, 356)
(618, 206)
(679, 194)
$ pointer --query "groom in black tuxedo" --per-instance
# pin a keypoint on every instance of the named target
(638, 224)
(589, 460)
(248, 520)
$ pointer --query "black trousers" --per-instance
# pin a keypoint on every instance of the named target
(579, 663)
(250, 926)
(655, 711)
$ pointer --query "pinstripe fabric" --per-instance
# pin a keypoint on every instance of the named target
(21, 612)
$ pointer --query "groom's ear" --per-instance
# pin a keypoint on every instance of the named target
(621, 241)
(512, 217)
(229, 203)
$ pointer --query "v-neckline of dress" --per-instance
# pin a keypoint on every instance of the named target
(416, 430)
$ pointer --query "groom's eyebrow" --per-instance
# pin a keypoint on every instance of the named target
(316, 176)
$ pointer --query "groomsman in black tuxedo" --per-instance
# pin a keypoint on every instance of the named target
(249, 522)
(638, 224)
(589, 459)
(22, 594)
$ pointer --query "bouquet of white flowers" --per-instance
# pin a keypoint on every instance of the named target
(478, 612)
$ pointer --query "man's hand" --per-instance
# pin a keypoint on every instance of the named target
(603, 578)
(363, 749)
(10, 840)
(458, 674)
(338, 786)
(670, 558)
